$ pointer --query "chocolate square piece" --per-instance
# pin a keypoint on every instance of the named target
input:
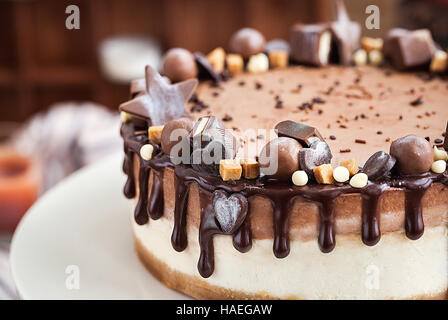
(408, 49)
(310, 44)
(303, 133)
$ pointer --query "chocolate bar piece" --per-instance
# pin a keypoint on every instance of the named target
(303, 133)
(408, 49)
(205, 68)
(211, 142)
(346, 35)
(310, 44)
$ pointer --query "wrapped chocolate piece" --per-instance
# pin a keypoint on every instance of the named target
(211, 142)
(346, 34)
(310, 44)
(408, 49)
(161, 101)
(303, 133)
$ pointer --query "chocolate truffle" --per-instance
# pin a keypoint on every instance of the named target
(414, 154)
(247, 42)
(180, 129)
(179, 64)
(280, 158)
(317, 154)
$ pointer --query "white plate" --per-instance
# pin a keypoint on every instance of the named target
(82, 225)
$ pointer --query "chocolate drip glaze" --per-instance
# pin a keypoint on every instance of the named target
(370, 232)
(128, 167)
(281, 194)
(179, 236)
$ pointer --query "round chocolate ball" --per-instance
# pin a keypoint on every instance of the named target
(174, 132)
(178, 64)
(247, 42)
(279, 158)
(414, 155)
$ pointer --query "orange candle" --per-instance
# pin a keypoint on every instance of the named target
(19, 187)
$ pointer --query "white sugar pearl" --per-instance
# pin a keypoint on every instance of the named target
(359, 180)
(375, 57)
(300, 178)
(360, 57)
(125, 117)
(146, 152)
(258, 63)
(438, 166)
(341, 174)
(440, 154)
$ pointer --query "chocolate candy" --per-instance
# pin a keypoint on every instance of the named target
(247, 42)
(230, 212)
(277, 45)
(161, 101)
(317, 154)
(175, 137)
(378, 165)
(301, 132)
(178, 64)
(346, 34)
(211, 142)
(408, 49)
(445, 142)
(279, 158)
(414, 154)
(310, 44)
(205, 68)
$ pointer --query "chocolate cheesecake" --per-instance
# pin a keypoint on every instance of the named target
(326, 180)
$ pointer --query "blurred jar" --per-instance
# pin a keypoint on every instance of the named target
(19, 182)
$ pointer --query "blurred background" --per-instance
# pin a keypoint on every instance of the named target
(60, 88)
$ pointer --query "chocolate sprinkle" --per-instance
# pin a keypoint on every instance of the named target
(416, 102)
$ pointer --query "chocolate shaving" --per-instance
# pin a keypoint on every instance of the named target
(416, 102)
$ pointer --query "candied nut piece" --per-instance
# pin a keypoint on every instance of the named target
(341, 174)
(146, 152)
(217, 58)
(299, 178)
(155, 133)
(440, 154)
(125, 117)
(230, 169)
(439, 62)
(438, 166)
(278, 59)
(360, 57)
(375, 58)
(235, 63)
(359, 180)
(324, 174)
(251, 168)
(370, 44)
(258, 63)
(351, 165)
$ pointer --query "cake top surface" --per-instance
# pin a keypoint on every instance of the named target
(358, 110)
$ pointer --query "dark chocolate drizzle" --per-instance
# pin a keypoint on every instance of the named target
(281, 194)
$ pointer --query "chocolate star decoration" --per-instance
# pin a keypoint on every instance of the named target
(161, 101)
(346, 34)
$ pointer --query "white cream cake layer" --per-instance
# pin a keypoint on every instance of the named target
(394, 268)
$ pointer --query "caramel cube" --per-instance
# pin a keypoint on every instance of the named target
(324, 174)
(278, 59)
(235, 63)
(230, 169)
(251, 168)
(370, 44)
(217, 58)
(155, 133)
(351, 165)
